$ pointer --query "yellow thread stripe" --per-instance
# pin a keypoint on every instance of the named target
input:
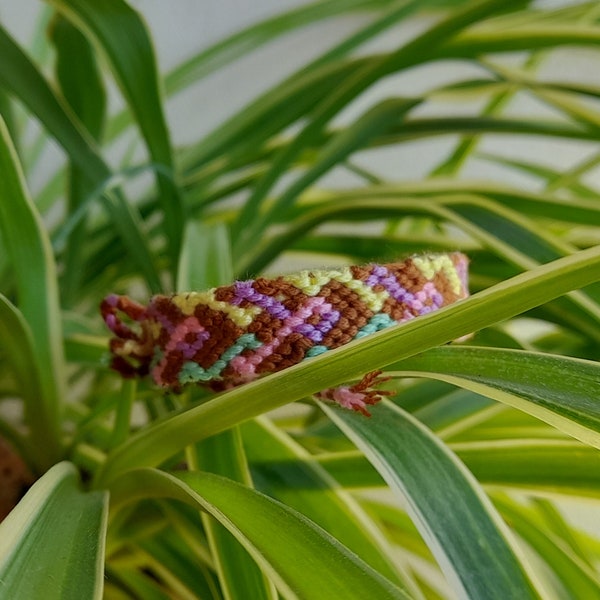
(374, 300)
(309, 282)
(154, 328)
(128, 348)
(187, 303)
(430, 265)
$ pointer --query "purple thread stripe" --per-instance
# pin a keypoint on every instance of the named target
(162, 319)
(329, 318)
(188, 349)
(245, 291)
(380, 275)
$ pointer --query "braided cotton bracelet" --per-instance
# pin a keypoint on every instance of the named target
(233, 334)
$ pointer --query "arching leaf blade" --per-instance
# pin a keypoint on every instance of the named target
(34, 271)
(470, 542)
(302, 559)
(559, 390)
(154, 444)
(61, 530)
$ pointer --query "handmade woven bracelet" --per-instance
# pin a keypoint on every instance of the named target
(233, 334)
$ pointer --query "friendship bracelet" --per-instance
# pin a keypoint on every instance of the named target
(233, 334)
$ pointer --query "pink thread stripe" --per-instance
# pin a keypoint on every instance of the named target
(245, 366)
(177, 342)
(415, 302)
(329, 317)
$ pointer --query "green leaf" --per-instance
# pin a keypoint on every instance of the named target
(297, 95)
(21, 358)
(577, 578)
(80, 80)
(23, 79)
(20, 76)
(537, 466)
(82, 86)
(285, 471)
(32, 263)
(239, 575)
(449, 414)
(130, 54)
(559, 390)
(555, 180)
(531, 36)
(376, 120)
(535, 205)
(555, 523)
(59, 530)
(525, 244)
(241, 43)
(436, 126)
(205, 259)
(416, 51)
(470, 542)
(387, 202)
(163, 439)
(7, 112)
(172, 560)
(443, 190)
(302, 559)
(205, 262)
(135, 581)
(273, 112)
(494, 106)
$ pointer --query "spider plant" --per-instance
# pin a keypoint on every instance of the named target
(471, 479)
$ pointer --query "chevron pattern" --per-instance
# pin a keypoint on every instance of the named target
(233, 334)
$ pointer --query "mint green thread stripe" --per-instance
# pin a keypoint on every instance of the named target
(376, 323)
(315, 351)
(192, 372)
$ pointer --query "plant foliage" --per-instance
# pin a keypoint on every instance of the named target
(463, 483)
